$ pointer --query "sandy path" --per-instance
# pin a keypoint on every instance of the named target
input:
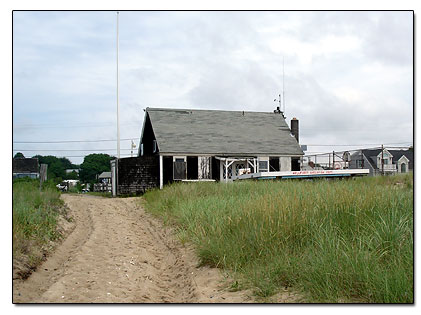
(117, 253)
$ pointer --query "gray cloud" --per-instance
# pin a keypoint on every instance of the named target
(390, 40)
(348, 75)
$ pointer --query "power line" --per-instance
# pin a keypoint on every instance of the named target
(82, 156)
(78, 125)
(70, 126)
(71, 141)
(356, 145)
(68, 150)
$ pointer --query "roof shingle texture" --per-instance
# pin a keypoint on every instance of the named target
(222, 132)
(105, 175)
(25, 165)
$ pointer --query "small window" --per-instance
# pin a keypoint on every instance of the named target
(263, 166)
(155, 149)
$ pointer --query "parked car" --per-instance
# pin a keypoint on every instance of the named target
(62, 187)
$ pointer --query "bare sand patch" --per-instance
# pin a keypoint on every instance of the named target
(118, 253)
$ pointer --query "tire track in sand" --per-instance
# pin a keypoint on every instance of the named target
(118, 253)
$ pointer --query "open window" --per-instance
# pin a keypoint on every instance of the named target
(274, 164)
(192, 167)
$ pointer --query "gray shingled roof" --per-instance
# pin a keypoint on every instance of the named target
(25, 165)
(372, 154)
(105, 175)
(222, 132)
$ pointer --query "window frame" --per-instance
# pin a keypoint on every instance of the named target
(263, 159)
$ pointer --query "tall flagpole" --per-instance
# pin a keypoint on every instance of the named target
(118, 109)
(283, 83)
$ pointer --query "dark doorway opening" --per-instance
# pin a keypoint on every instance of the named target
(168, 169)
(295, 164)
(192, 167)
(215, 168)
(273, 164)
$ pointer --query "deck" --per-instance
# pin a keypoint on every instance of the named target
(304, 174)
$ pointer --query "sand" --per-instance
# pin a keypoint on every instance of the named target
(118, 253)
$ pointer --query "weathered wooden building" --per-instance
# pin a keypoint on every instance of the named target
(206, 145)
(25, 167)
(215, 144)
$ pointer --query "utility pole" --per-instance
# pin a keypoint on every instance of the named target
(382, 160)
(118, 108)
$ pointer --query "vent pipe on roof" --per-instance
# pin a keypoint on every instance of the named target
(294, 128)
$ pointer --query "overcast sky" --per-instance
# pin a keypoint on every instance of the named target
(348, 75)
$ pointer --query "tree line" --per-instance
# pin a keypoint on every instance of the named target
(93, 165)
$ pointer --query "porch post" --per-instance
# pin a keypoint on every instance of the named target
(161, 172)
(226, 171)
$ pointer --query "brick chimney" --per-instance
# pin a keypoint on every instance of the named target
(294, 128)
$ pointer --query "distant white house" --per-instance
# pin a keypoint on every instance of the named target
(105, 178)
(104, 182)
(394, 161)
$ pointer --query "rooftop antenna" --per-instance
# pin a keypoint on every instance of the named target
(133, 147)
(118, 109)
(278, 109)
(278, 100)
(281, 98)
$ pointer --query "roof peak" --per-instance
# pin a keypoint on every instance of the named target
(203, 110)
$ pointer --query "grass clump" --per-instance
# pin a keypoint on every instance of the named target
(35, 215)
(334, 241)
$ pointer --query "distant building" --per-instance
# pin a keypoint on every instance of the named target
(394, 161)
(105, 178)
(71, 170)
(104, 182)
(25, 167)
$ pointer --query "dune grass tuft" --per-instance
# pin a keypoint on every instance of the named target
(340, 240)
(35, 215)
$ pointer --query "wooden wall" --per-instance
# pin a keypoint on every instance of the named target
(137, 174)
